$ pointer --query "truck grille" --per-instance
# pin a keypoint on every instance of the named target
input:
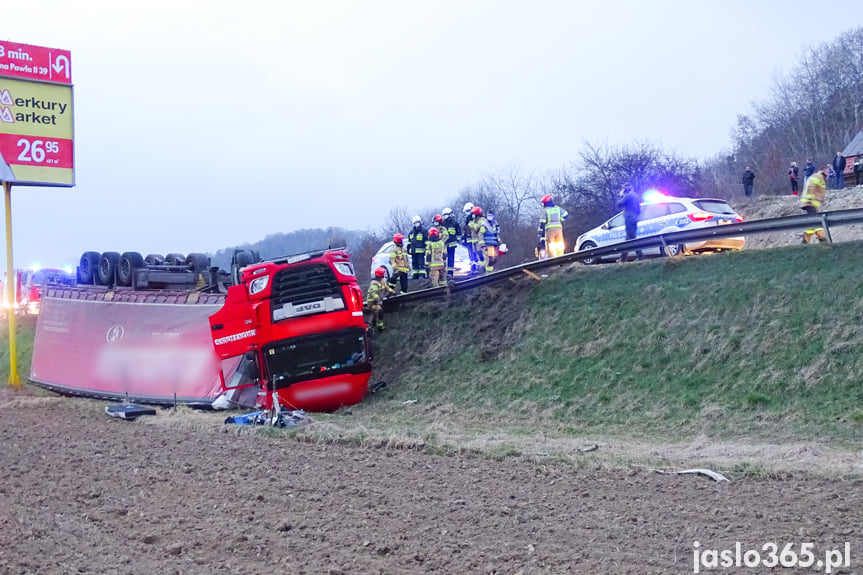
(303, 284)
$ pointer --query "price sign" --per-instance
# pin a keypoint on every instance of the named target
(36, 133)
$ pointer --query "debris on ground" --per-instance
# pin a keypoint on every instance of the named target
(128, 411)
(292, 418)
(711, 474)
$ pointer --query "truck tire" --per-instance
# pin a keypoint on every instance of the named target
(129, 262)
(108, 263)
(154, 260)
(242, 258)
(198, 263)
(175, 260)
(87, 267)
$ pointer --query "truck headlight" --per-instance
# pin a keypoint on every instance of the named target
(257, 285)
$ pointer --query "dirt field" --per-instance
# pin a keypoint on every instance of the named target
(84, 493)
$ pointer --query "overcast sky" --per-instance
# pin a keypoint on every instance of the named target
(200, 125)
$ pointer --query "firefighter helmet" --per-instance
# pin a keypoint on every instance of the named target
(446, 212)
(468, 207)
(546, 199)
(398, 239)
(437, 219)
(477, 211)
(417, 220)
(434, 234)
(380, 272)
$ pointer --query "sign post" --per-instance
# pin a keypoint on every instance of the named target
(36, 138)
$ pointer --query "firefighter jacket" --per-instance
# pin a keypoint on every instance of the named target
(816, 187)
(453, 230)
(399, 259)
(378, 290)
(486, 232)
(552, 217)
(417, 241)
(436, 253)
(468, 237)
(442, 233)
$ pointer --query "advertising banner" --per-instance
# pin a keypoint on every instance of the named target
(36, 133)
(109, 349)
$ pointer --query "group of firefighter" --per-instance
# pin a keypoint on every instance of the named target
(432, 252)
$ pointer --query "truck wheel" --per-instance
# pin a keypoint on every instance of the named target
(87, 267)
(108, 263)
(198, 262)
(154, 260)
(241, 259)
(175, 260)
(129, 262)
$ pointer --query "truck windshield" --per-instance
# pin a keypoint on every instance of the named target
(315, 356)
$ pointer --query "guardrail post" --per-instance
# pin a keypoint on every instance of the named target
(826, 228)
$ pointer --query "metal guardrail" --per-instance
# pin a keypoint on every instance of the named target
(805, 221)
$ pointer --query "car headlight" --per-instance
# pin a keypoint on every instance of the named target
(258, 285)
(344, 268)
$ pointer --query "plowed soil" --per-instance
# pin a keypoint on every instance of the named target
(183, 493)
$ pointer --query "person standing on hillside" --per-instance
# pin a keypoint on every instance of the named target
(453, 229)
(630, 203)
(550, 231)
(793, 172)
(809, 169)
(839, 168)
(747, 180)
(417, 248)
(488, 236)
(436, 258)
(469, 240)
(858, 170)
(399, 264)
(812, 199)
(378, 290)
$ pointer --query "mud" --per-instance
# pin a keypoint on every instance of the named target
(183, 493)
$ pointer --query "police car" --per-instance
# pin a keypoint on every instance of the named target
(662, 214)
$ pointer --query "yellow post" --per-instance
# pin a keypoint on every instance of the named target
(10, 290)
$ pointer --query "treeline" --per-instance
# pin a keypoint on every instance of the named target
(811, 112)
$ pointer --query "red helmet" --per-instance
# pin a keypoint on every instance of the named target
(437, 219)
(433, 233)
(380, 272)
(545, 199)
(398, 239)
(477, 211)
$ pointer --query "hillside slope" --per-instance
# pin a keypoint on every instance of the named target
(760, 345)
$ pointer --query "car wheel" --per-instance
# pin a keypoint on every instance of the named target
(589, 261)
(672, 250)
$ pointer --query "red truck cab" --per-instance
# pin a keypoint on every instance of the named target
(293, 328)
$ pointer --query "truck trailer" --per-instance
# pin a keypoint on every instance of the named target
(166, 330)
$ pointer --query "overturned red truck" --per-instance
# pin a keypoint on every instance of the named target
(175, 330)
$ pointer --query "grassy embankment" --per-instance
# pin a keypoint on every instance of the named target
(756, 346)
(26, 328)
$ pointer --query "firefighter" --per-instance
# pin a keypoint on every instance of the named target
(469, 240)
(443, 233)
(488, 239)
(399, 264)
(550, 231)
(436, 258)
(417, 248)
(813, 197)
(477, 227)
(453, 229)
(378, 290)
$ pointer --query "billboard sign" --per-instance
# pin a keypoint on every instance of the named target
(36, 120)
(35, 63)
